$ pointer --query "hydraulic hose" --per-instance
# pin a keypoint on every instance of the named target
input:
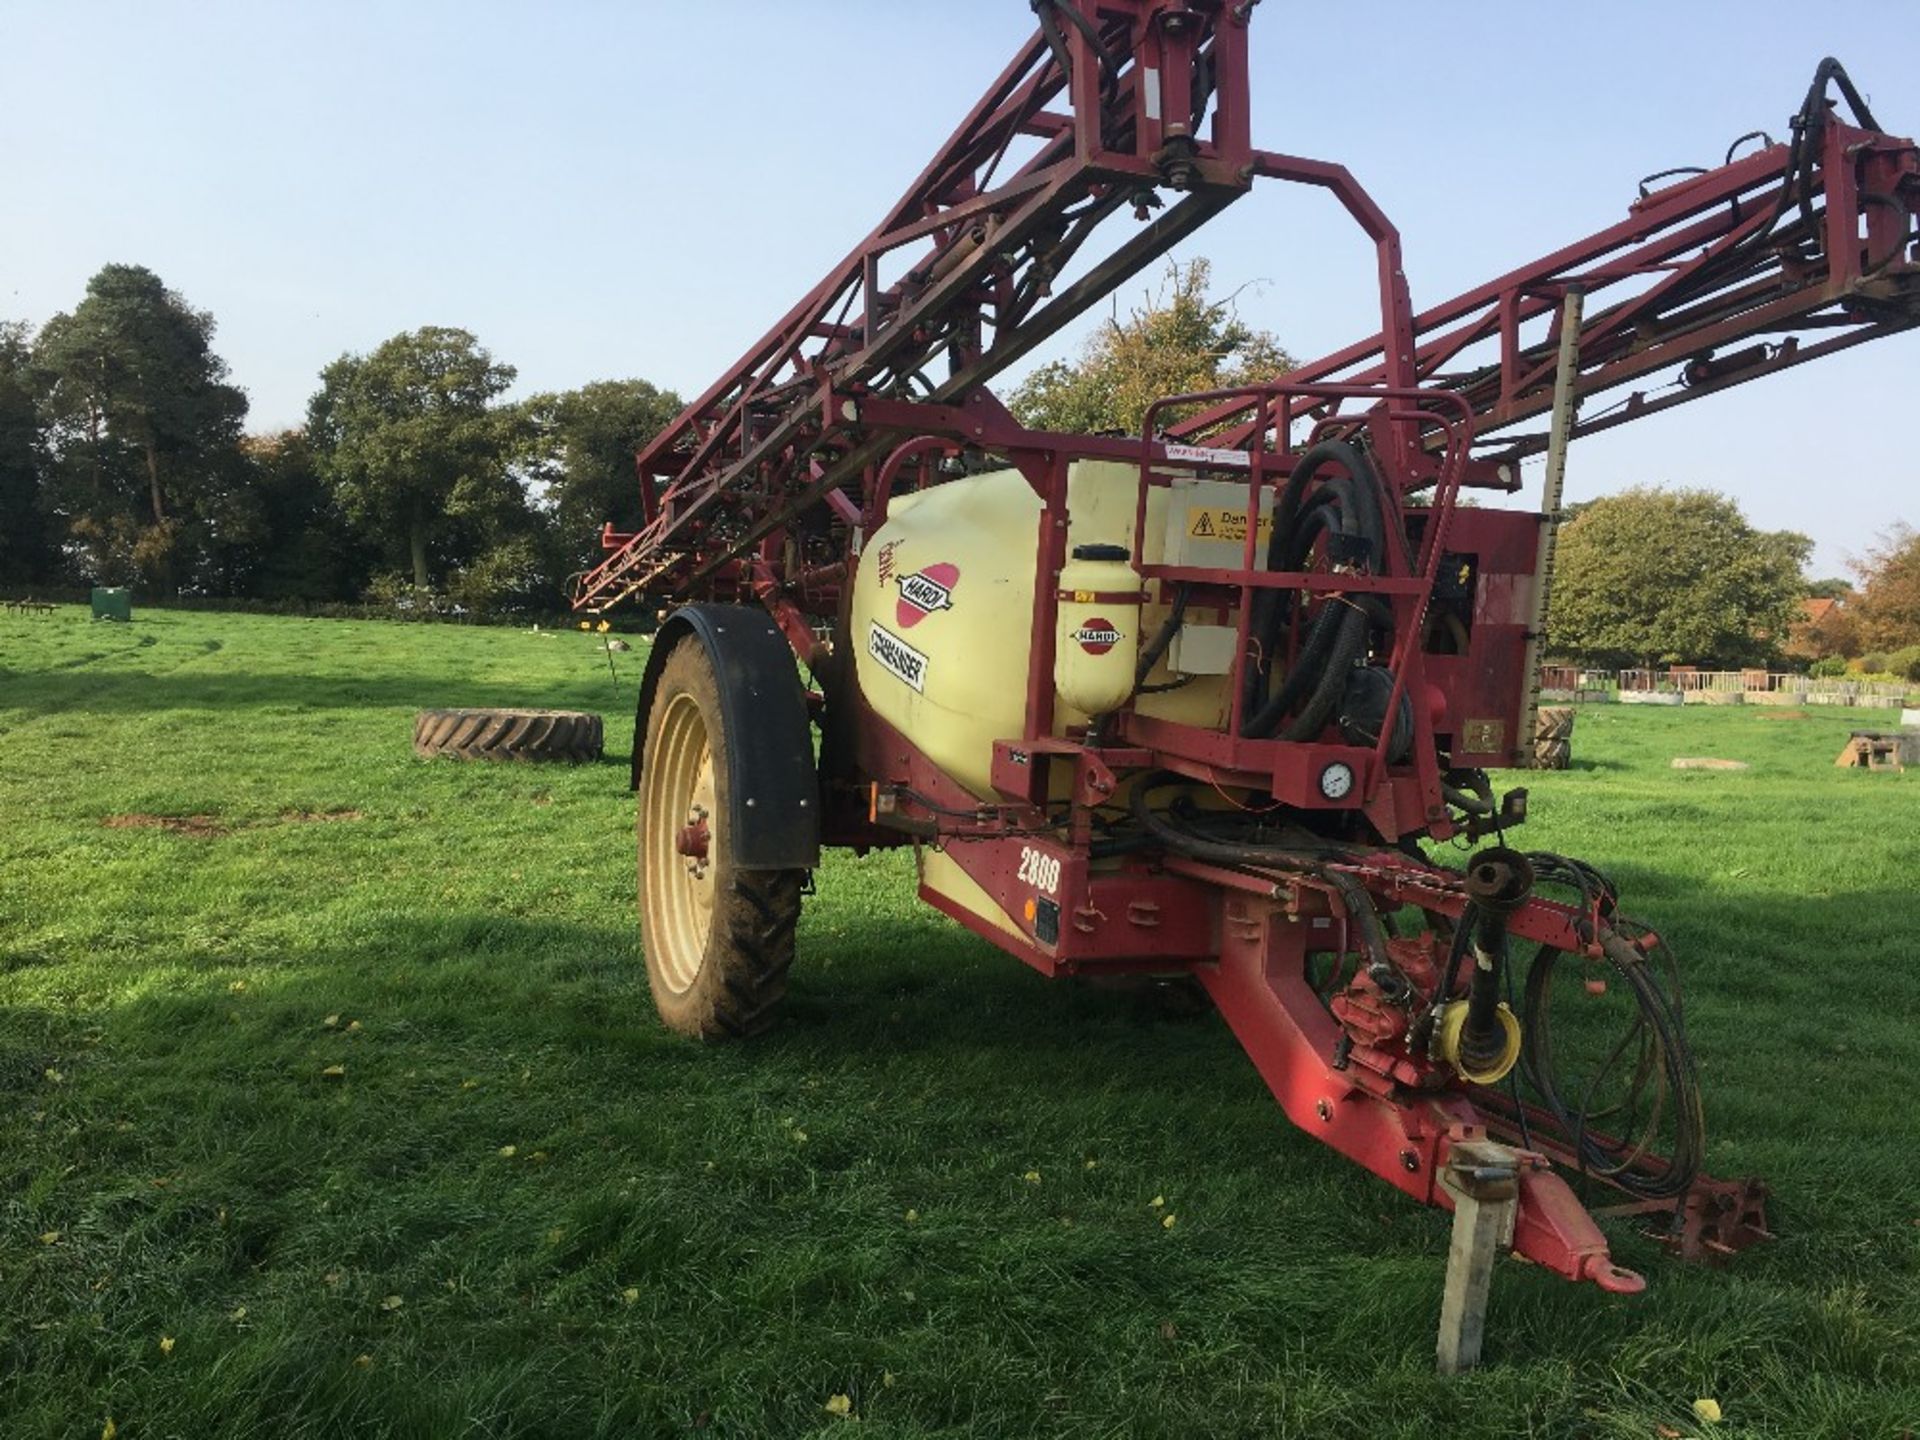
(1349, 644)
(1151, 652)
(1645, 1087)
(1329, 650)
(1353, 895)
(1662, 1088)
(1473, 793)
(1271, 609)
(1420, 1034)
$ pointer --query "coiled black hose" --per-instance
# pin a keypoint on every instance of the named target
(1346, 510)
(1661, 1090)
(1663, 1079)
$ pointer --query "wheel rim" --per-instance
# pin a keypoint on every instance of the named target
(679, 799)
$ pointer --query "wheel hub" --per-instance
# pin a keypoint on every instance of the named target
(692, 840)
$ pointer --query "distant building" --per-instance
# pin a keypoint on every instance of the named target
(1825, 627)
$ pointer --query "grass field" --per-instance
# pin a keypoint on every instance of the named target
(522, 1209)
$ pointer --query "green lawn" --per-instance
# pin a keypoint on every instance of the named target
(526, 1210)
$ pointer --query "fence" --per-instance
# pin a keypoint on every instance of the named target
(1689, 685)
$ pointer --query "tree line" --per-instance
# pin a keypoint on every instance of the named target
(1653, 577)
(125, 459)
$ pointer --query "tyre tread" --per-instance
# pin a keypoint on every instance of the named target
(476, 734)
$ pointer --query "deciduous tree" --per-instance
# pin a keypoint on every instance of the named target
(414, 445)
(1177, 341)
(1888, 610)
(26, 550)
(310, 551)
(1653, 576)
(583, 448)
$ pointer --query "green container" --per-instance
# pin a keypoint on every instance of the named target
(115, 603)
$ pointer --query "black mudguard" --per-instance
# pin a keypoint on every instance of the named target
(774, 809)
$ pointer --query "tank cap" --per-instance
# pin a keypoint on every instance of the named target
(1102, 552)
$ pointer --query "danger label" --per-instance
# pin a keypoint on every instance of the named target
(1230, 525)
(1097, 636)
(896, 657)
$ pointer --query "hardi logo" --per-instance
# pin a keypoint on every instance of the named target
(1097, 635)
(926, 590)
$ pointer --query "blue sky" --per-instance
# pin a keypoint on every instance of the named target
(602, 190)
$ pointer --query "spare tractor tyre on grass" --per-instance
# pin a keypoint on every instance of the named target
(509, 734)
(1553, 738)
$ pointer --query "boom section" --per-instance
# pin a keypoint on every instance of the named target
(1110, 103)
(1780, 255)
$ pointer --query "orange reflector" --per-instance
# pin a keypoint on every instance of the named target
(1027, 910)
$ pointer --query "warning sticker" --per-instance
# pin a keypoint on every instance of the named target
(1224, 524)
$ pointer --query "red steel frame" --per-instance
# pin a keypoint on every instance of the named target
(765, 486)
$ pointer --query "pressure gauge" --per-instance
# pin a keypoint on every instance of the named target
(1336, 780)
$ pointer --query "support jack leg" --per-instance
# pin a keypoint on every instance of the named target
(1483, 1180)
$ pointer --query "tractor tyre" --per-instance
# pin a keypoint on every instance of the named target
(1553, 738)
(509, 734)
(718, 939)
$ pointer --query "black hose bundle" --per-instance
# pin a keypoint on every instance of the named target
(1662, 1088)
(1598, 895)
(1304, 855)
(1469, 790)
(1345, 514)
(1615, 1137)
(1808, 127)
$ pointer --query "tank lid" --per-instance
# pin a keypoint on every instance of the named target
(1102, 552)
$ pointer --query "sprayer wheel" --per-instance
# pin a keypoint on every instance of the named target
(718, 939)
(508, 734)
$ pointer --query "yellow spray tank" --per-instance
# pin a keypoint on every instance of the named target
(943, 608)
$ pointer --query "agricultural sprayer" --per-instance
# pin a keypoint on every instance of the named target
(1194, 702)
